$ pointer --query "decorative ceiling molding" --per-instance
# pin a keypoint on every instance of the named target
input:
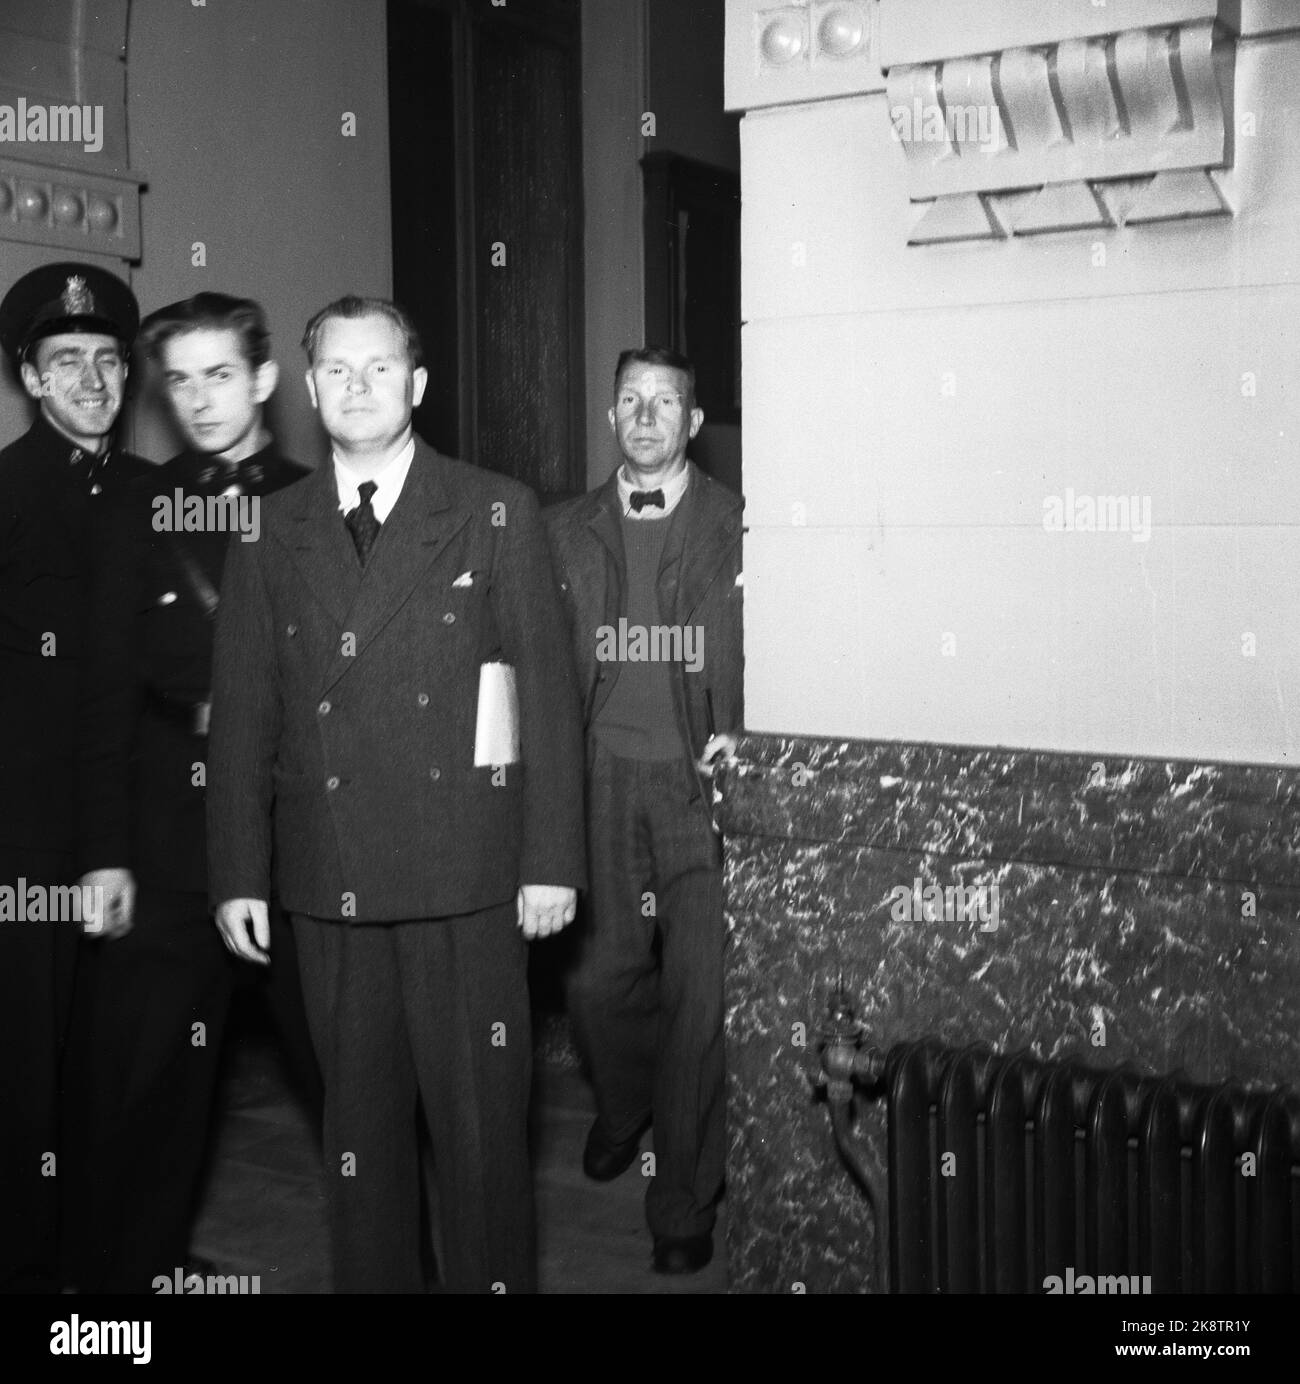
(1063, 121)
(1022, 117)
(1127, 104)
(69, 211)
(928, 31)
(65, 179)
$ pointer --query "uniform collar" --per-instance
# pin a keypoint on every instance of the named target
(68, 460)
(56, 447)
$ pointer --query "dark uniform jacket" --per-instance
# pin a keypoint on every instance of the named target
(150, 672)
(699, 584)
(50, 490)
(345, 701)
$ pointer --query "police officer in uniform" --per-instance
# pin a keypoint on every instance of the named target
(66, 330)
(155, 986)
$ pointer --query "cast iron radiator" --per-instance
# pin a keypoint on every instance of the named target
(1005, 1171)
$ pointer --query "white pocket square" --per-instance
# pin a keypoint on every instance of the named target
(465, 579)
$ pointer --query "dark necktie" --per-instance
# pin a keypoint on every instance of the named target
(89, 469)
(362, 523)
(641, 498)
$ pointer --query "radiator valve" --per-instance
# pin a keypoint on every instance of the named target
(845, 1062)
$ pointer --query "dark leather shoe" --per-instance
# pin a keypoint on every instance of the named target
(603, 1161)
(687, 1254)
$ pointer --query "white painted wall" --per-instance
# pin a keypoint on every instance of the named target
(908, 411)
(236, 117)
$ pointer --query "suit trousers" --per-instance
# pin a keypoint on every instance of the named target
(37, 965)
(429, 1013)
(143, 1059)
(649, 1027)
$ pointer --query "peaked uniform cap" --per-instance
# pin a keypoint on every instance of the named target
(67, 297)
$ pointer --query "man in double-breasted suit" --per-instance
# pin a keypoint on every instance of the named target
(649, 565)
(349, 661)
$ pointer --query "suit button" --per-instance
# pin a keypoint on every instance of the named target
(423, 699)
(449, 619)
(324, 708)
(291, 630)
(331, 783)
(435, 774)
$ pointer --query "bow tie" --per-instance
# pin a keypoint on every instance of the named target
(248, 474)
(641, 498)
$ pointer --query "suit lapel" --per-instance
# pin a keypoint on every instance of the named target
(421, 524)
(320, 544)
(606, 523)
(696, 548)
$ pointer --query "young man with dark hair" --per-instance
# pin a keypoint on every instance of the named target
(67, 330)
(649, 564)
(155, 985)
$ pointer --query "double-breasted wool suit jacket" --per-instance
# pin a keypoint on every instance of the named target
(345, 702)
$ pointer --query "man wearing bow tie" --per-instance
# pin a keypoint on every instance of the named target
(67, 330)
(649, 564)
(350, 711)
(155, 982)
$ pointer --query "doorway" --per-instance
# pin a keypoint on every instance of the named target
(486, 163)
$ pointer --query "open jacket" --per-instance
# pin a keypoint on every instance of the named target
(699, 584)
(345, 701)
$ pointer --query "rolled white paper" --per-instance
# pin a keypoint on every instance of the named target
(496, 736)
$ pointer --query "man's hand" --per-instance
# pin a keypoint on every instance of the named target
(107, 902)
(721, 749)
(245, 927)
(545, 908)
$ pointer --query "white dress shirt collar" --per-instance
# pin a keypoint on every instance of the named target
(673, 492)
(388, 483)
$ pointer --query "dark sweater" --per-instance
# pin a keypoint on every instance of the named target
(638, 720)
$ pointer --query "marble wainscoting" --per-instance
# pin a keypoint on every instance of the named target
(1146, 911)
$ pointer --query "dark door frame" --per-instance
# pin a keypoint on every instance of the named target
(557, 23)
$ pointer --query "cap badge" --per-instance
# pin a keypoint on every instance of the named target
(78, 301)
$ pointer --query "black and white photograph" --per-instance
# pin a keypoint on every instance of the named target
(649, 648)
